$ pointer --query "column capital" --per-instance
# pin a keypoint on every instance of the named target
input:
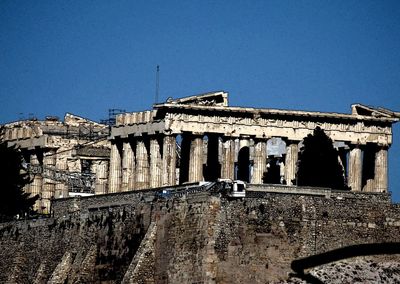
(226, 137)
(355, 146)
(288, 140)
(382, 147)
(260, 139)
(169, 132)
(244, 136)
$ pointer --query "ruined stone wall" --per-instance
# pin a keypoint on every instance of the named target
(86, 248)
(202, 237)
(263, 235)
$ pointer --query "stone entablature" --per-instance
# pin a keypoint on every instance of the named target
(73, 127)
(208, 140)
(353, 131)
(259, 123)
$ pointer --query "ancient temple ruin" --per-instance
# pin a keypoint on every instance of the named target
(202, 138)
(63, 157)
(194, 139)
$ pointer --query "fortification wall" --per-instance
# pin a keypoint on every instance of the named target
(200, 237)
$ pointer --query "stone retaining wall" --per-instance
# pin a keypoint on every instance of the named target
(201, 237)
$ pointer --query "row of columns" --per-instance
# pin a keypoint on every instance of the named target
(44, 187)
(142, 163)
(379, 183)
(149, 162)
(48, 188)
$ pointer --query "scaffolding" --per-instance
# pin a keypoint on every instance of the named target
(76, 181)
(112, 114)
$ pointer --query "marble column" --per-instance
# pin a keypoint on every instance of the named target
(37, 180)
(355, 169)
(155, 163)
(49, 185)
(101, 177)
(61, 190)
(368, 168)
(260, 161)
(381, 170)
(114, 184)
(169, 161)
(27, 186)
(184, 158)
(228, 158)
(142, 165)
(292, 155)
(343, 151)
(128, 167)
(196, 159)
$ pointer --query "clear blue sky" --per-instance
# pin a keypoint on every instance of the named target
(85, 57)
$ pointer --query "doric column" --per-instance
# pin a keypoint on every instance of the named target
(185, 157)
(169, 161)
(355, 169)
(128, 167)
(343, 151)
(155, 163)
(196, 159)
(381, 172)
(292, 155)
(228, 158)
(61, 190)
(49, 185)
(142, 165)
(27, 186)
(101, 177)
(114, 184)
(36, 185)
(260, 160)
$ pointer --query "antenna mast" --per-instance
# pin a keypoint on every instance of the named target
(157, 83)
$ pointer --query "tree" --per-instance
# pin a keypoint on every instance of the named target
(13, 177)
(319, 162)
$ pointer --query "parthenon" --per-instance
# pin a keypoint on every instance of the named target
(201, 138)
(194, 139)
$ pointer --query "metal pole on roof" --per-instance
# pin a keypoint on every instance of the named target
(157, 83)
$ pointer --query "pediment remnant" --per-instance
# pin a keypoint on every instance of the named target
(207, 99)
(359, 109)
